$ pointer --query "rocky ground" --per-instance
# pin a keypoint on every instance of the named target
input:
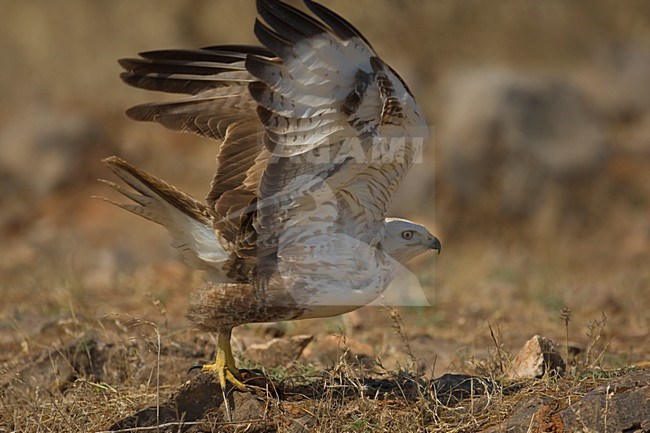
(537, 181)
(121, 377)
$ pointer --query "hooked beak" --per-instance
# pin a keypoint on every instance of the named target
(434, 244)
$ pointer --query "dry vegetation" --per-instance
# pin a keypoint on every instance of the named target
(92, 325)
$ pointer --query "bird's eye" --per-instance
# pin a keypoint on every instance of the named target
(408, 234)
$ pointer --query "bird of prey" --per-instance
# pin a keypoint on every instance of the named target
(316, 133)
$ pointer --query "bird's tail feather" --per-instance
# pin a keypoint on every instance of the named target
(153, 196)
(188, 220)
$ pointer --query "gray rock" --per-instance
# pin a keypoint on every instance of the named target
(620, 405)
(504, 136)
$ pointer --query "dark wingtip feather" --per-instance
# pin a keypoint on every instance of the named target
(264, 69)
(257, 89)
(340, 26)
(192, 55)
(264, 114)
(142, 113)
(288, 21)
(271, 39)
(129, 78)
(240, 49)
(163, 84)
(127, 63)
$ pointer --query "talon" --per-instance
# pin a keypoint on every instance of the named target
(254, 372)
(194, 367)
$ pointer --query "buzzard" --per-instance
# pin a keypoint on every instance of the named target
(316, 133)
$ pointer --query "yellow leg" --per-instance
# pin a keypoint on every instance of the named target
(224, 366)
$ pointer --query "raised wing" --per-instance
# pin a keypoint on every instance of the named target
(219, 107)
(339, 126)
(317, 131)
(214, 77)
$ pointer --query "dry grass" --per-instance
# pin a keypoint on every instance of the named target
(87, 397)
(102, 371)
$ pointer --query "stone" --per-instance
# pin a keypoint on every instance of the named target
(538, 357)
(449, 389)
(192, 403)
(506, 137)
(620, 405)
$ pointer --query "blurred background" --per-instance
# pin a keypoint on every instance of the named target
(537, 177)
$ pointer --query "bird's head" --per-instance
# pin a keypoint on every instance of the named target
(404, 239)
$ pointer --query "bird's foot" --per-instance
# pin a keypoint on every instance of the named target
(224, 366)
(223, 373)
